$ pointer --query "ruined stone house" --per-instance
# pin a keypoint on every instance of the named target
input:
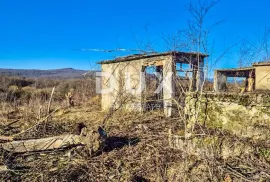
(128, 86)
(259, 72)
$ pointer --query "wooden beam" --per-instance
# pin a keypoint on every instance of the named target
(43, 144)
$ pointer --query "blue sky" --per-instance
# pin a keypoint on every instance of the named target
(42, 34)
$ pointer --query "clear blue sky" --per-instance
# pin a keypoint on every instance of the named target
(43, 34)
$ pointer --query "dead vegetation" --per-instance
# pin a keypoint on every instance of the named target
(137, 147)
(119, 145)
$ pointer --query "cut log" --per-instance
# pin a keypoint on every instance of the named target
(43, 144)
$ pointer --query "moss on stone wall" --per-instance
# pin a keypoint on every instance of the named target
(238, 114)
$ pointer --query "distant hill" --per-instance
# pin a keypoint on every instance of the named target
(54, 73)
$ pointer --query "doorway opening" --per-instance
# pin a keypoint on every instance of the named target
(153, 92)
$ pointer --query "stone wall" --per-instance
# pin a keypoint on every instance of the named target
(243, 115)
(228, 131)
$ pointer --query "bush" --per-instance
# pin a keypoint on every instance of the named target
(20, 82)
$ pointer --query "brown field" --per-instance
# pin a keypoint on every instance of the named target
(137, 148)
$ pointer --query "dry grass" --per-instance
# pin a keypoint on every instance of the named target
(137, 149)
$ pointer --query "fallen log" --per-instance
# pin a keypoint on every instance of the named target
(43, 144)
(91, 138)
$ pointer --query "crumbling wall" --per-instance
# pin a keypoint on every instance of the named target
(132, 70)
(230, 131)
(262, 78)
(220, 81)
(245, 115)
(114, 81)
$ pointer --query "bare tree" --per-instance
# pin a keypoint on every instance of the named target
(254, 51)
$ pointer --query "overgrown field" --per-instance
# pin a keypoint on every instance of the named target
(139, 147)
